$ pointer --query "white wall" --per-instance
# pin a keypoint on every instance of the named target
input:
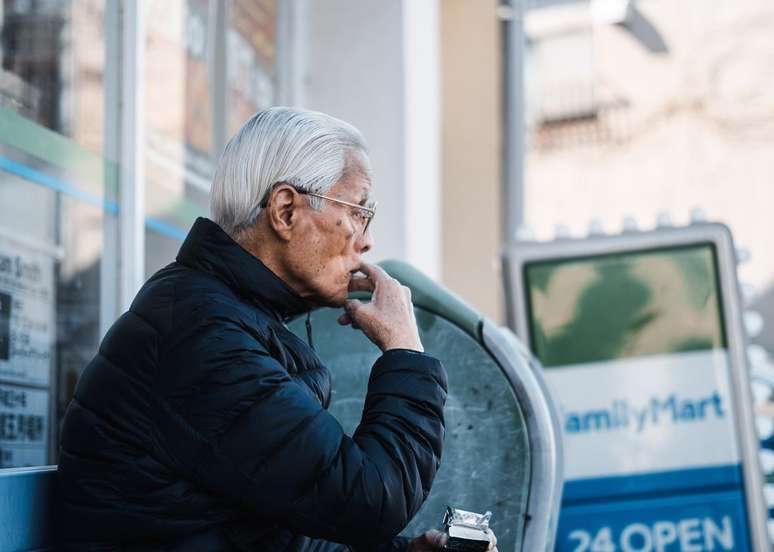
(374, 63)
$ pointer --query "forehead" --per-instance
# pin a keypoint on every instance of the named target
(355, 186)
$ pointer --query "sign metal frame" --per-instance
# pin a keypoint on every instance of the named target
(516, 256)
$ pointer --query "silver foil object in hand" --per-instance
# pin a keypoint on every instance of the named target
(468, 531)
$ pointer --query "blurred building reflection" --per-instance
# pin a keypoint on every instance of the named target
(59, 188)
(666, 105)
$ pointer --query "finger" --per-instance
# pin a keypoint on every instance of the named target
(436, 539)
(374, 272)
(354, 311)
(351, 306)
(361, 283)
(344, 319)
(407, 293)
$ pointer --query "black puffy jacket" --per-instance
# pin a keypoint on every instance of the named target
(201, 424)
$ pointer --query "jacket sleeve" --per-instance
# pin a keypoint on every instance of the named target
(398, 544)
(234, 420)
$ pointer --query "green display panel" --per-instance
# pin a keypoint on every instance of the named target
(632, 304)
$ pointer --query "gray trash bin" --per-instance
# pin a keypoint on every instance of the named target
(501, 449)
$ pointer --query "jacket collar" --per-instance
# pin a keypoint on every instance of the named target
(209, 249)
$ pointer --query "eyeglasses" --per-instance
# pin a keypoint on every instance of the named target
(364, 214)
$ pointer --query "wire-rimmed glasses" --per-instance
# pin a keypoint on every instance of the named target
(363, 213)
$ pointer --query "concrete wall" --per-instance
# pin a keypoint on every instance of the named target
(422, 81)
(471, 122)
(374, 63)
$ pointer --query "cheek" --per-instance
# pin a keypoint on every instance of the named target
(337, 242)
(323, 257)
(333, 258)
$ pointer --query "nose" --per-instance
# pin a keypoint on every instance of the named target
(364, 242)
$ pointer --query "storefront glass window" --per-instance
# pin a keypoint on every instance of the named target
(210, 66)
(252, 45)
(57, 196)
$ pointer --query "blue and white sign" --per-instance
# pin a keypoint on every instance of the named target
(646, 414)
(659, 429)
(640, 340)
(691, 523)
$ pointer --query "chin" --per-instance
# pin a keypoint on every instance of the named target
(336, 298)
(334, 294)
(338, 302)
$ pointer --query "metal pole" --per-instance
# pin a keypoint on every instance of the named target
(283, 67)
(512, 14)
(109, 263)
(217, 72)
(132, 159)
(291, 52)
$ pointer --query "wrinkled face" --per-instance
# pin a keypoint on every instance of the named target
(326, 245)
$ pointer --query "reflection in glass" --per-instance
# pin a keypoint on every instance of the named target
(52, 210)
(209, 67)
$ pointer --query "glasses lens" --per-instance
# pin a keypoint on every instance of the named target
(368, 217)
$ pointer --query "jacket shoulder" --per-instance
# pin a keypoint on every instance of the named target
(179, 297)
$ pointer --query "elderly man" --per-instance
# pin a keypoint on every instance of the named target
(201, 423)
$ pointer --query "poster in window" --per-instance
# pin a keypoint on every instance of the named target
(27, 326)
(23, 426)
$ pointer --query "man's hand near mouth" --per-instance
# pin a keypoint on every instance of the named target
(388, 319)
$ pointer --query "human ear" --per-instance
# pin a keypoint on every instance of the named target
(281, 211)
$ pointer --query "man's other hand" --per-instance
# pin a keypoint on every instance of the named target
(388, 319)
(429, 542)
(436, 540)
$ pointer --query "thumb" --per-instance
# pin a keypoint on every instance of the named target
(436, 538)
(351, 306)
(343, 319)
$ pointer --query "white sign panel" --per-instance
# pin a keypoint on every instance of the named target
(27, 326)
(23, 426)
(639, 415)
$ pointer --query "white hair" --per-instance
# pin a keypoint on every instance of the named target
(311, 151)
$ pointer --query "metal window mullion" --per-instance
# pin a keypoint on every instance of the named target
(290, 64)
(132, 149)
(109, 263)
(217, 71)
